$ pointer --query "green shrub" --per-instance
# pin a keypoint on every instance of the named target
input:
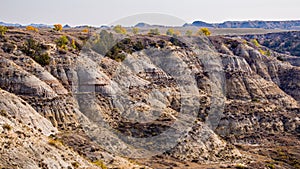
(119, 29)
(177, 42)
(170, 32)
(36, 51)
(280, 58)
(7, 127)
(240, 166)
(154, 32)
(270, 166)
(31, 47)
(3, 113)
(3, 30)
(42, 59)
(75, 164)
(255, 99)
(138, 46)
(73, 44)
(116, 53)
(135, 31)
(189, 33)
(62, 42)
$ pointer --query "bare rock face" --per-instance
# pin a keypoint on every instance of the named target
(16, 80)
(32, 67)
(20, 109)
(203, 145)
(25, 138)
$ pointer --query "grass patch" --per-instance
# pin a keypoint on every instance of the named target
(100, 164)
(7, 127)
(240, 166)
(54, 142)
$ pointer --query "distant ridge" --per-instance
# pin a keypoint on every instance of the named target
(200, 24)
(10, 24)
(142, 25)
(287, 25)
(19, 25)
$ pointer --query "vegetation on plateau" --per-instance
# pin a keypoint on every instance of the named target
(3, 30)
(35, 50)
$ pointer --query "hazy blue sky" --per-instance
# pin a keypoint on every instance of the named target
(100, 12)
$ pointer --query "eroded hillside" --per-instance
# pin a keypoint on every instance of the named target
(101, 100)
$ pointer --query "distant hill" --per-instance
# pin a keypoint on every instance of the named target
(142, 25)
(282, 42)
(19, 25)
(10, 24)
(287, 25)
(200, 24)
(40, 25)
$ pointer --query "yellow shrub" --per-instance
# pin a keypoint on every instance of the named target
(73, 44)
(204, 31)
(55, 143)
(177, 32)
(31, 28)
(189, 33)
(3, 30)
(135, 30)
(255, 42)
(85, 30)
(120, 29)
(58, 27)
(99, 164)
(172, 32)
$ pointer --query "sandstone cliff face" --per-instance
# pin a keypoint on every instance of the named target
(197, 100)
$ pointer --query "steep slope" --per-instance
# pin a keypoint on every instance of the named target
(283, 42)
(25, 139)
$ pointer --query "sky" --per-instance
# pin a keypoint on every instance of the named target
(170, 12)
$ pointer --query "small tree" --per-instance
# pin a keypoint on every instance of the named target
(204, 31)
(135, 31)
(58, 27)
(31, 28)
(189, 33)
(154, 32)
(119, 29)
(3, 30)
